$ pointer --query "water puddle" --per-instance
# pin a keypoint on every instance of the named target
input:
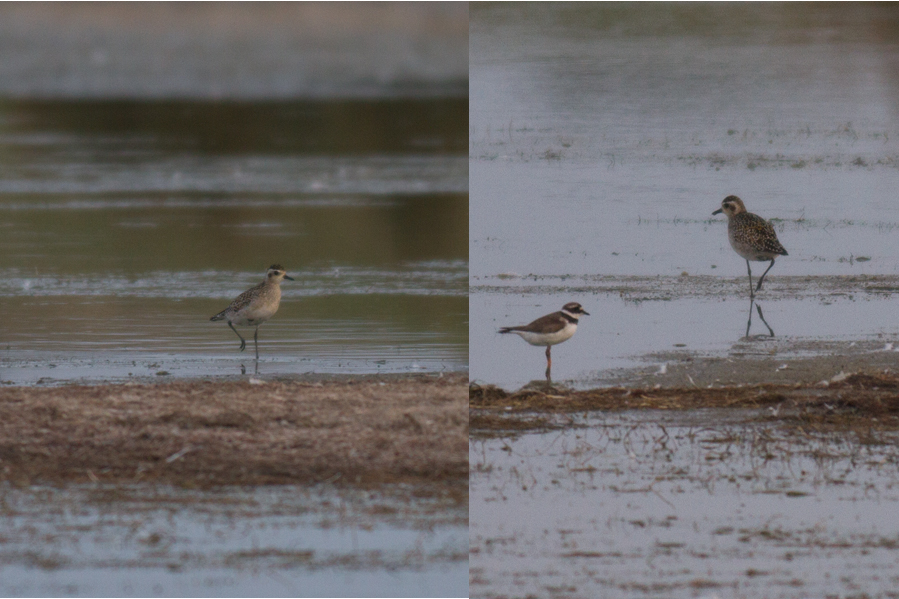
(146, 540)
(127, 224)
(645, 324)
(697, 503)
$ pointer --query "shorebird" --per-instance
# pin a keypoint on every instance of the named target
(550, 329)
(255, 305)
(751, 236)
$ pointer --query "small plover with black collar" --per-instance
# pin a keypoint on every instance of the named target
(551, 329)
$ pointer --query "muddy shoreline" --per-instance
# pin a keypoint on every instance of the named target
(862, 403)
(363, 431)
(637, 288)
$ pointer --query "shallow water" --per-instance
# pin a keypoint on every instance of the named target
(127, 224)
(146, 540)
(234, 51)
(682, 505)
(639, 322)
(601, 139)
(154, 161)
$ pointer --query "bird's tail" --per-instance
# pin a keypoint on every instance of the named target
(507, 329)
(219, 316)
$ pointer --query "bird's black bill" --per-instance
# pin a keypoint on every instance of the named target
(718, 211)
(288, 278)
(584, 312)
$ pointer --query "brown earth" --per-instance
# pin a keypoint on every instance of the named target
(860, 401)
(363, 431)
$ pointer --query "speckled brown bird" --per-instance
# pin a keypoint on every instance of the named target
(751, 236)
(550, 329)
(255, 305)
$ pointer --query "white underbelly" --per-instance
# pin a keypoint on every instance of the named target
(253, 316)
(550, 339)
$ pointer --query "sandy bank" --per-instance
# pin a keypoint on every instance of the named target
(862, 403)
(364, 431)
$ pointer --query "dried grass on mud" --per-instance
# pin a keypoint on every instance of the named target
(858, 401)
(364, 431)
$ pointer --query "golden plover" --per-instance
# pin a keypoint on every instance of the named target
(550, 329)
(751, 236)
(255, 305)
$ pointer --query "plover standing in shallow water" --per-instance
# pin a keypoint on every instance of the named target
(751, 236)
(255, 305)
(550, 329)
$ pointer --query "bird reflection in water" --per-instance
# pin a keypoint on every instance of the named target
(761, 316)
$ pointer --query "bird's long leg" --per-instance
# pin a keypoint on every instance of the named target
(256, 341)
(549, 363)
(243, 342)
(751, 292)
(759, 286)
(749, 322)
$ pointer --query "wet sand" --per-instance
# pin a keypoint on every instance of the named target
(747, 489)
(781, 491)
(631, 288)
(365, 431)
(867, 397)
(758, 360)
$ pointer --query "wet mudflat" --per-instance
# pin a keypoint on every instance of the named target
(601, 140)
(114, 540)
(683, 451)
(690, 330)
(771, 490)
(341, 485)
(725, 503)
(365, 430)
(155, 161)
